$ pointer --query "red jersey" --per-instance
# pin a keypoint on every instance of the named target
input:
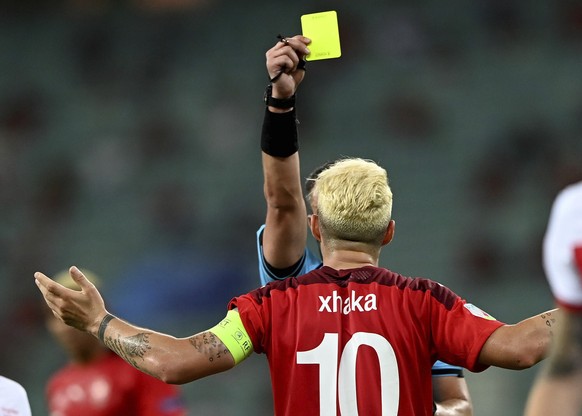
(111, 387)
(360, 341)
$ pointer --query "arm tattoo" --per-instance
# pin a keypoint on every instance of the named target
(130, 348)
(550, 321)
(210, 345)
(566, 358)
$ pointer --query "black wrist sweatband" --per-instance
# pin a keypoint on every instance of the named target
(279, 134)
(103, 326)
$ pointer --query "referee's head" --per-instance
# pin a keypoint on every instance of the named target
(65, 279)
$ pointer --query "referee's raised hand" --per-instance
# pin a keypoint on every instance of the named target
(285, 65)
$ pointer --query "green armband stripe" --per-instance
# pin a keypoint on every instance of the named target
(233, 335)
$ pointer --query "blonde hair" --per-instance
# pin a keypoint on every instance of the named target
(64, 278)
(354, 201)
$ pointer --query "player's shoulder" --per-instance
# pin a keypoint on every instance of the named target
(389, 277)
(414, 286)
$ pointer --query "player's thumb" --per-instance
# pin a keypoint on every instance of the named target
(79, 278)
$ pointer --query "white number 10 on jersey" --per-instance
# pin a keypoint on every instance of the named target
(326, 356)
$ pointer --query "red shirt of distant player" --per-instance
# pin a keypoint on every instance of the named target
(110, 387)
(361, 341)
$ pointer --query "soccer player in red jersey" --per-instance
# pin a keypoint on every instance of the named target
(557, 388)
(282, 240)
(97, 382)
(349, 338)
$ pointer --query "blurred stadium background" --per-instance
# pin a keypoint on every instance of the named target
(129, 145)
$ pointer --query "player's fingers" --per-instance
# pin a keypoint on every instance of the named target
(45, 284)
(41, 277)
(79, 278)
(49, 290)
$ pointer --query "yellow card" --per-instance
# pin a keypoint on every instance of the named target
(322, 29)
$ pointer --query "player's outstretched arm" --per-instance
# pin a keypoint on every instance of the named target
(172, 360)
(521, 345)
(285, 233)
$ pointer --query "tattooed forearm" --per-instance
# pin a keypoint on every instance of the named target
(131, 349)
(209, 344)
(567, 355)
(550, 321)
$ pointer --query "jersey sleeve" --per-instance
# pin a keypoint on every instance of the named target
(307, 263)
(253, 318)
(460, 330)
(562, 248)
(156, 398)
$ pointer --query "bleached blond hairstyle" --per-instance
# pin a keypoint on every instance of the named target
(64, 278)
(354, 201)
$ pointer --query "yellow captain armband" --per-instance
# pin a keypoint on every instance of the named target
(233, 335)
